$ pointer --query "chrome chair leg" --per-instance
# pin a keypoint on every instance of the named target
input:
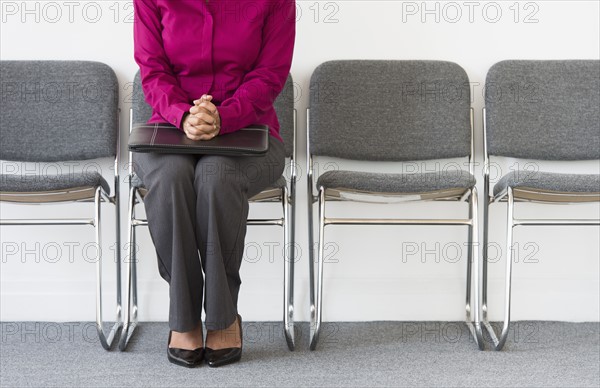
(134, 286)
(484, 249)
(105, 341)
(473, 317)
(130, 315)
(288, 269)
(118, 254)
(499, 342)
(311, 259)
(317, 317)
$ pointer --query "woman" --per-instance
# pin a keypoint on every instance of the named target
(209, 67)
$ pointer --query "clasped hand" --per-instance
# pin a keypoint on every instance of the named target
(203, 121)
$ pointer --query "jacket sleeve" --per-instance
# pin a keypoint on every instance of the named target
(160, 85)
(261, 86)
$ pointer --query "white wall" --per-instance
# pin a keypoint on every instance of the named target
(371, 278)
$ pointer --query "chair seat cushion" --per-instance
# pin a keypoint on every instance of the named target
(278, 184)
(396, 183)
(568, 183)
(11, 183)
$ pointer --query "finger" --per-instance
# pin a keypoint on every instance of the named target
(190, 135)
(194, 131)
(193, 137)
(206, 118)
(194, 121)
(205, 100)
(190, 129)
(201, 129)
(202, 117)
(204, 97)
(209, 106)
(198, 109)
(202, 136)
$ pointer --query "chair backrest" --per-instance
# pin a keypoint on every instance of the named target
(543, 109)
(58, 110)
(390, 110)
(284, 106)
(141, 111)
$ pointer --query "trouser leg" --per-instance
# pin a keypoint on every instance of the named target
(171, 211)
(223, 185)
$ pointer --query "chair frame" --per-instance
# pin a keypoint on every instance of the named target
(510, 196)
(82, 194)
(472, 318)
(287, 198)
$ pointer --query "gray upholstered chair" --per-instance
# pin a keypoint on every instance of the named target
(280, 192)
(59, 111)
(390, 111)
(541, 110)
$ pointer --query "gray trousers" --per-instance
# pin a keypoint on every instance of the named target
(198, 205)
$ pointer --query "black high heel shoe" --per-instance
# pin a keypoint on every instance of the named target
(220, 357)
(185, 357)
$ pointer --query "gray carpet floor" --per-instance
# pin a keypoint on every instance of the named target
(428, 354)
